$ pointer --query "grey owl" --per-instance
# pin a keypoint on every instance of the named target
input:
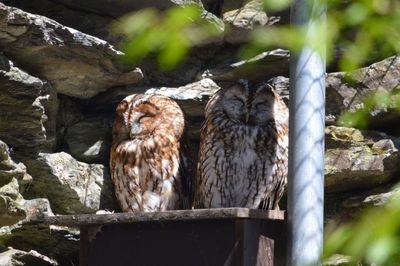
(243, 151)
(149, 167)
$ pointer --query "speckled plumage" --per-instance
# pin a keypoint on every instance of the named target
(149, 168)
(243, 148)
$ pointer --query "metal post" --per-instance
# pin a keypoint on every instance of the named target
(306, 142)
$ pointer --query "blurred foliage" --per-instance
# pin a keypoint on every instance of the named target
(169, 34)
(354, 34)
(373, 239)
(373, 103)
(354, 30)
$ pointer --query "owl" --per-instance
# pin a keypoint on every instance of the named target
(149, 166)
(243, 152)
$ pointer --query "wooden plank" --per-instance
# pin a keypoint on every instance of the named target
(258, 248)
(228, 242)
(176, 215)
(84, 246)
(175, 243)
(265, 252)
(239, 242)
(275, 230)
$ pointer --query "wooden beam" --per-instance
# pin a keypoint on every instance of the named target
(176, 215)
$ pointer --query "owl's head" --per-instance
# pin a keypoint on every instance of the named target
(248, 104)
(145, 115)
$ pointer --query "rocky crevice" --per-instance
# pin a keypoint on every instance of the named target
(59, 88)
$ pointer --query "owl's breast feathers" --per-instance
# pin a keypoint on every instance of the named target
(149, 171)
(243, 148)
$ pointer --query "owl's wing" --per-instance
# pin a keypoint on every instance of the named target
(279, 176)
(271, 201)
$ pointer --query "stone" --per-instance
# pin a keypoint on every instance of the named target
(12, 207)
(120, 7)
(184, 73)
(90, 140)
(218, 24)
(95, 20)
(20, 233)
(36, 209)
(217, 7)
(356, 168)
(70, 113)
(343, 137)
(15, 257)
(248, 16)
(338, 260)
(381, 75)
(384, 146)
(28, 109)
(346, 91)
(242, 21)
(10, 169)
(346, 206)
(262, 67)
(76, 64)
(192, 65)
(371, 198)
(61, 244)
(191, 97)
(353, 161)
(71, 186)
(89, 23)
(99, 26)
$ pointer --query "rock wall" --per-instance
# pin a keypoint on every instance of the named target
(60, 82)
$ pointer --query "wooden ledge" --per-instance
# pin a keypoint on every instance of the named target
(176, 215)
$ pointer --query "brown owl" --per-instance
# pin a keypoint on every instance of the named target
(243, 148)
(149, 168)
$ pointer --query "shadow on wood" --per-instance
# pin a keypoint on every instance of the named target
(232, 236)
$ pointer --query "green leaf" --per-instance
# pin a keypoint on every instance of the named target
(136, 23)
(174, 51)
(179, 17)
(170, 34)
(276, 5)
(380, 250)
(357, 13)
(357, 119)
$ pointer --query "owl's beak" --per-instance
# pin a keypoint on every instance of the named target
(136, 129)
(246, 118)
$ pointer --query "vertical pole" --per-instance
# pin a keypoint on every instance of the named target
(306, 140)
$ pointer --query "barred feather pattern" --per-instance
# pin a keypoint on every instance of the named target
(243, 150)
(149, 169)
